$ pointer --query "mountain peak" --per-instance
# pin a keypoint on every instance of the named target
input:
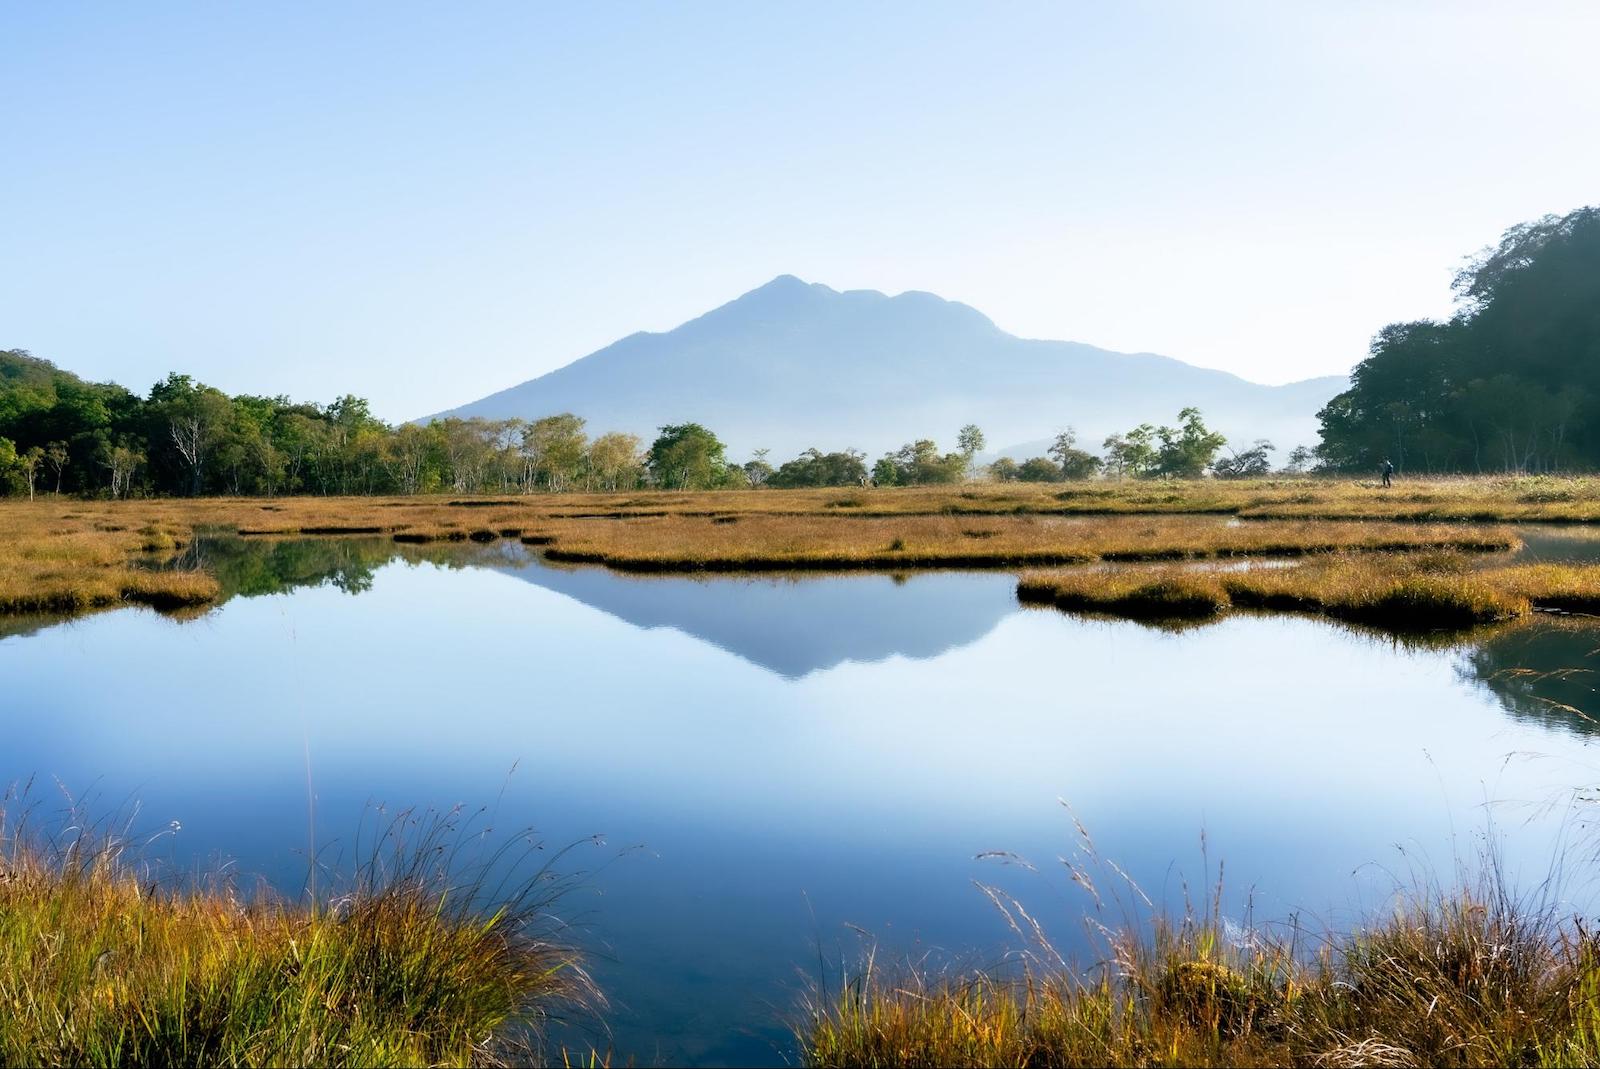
(785, 282)
(793, 364)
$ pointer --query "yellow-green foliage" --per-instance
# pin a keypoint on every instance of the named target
(100, 967)
(1464, 979)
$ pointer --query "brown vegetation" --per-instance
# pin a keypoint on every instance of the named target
(1472, 978)
(66, 555)
(407, 964)
(1412, 591)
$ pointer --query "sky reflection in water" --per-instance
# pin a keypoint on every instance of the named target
(795, 756)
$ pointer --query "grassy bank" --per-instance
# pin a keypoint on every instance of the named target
(1459, 979)
(101, 966)
(49, 565)
(64, 555)
(1421, 591)
(763, 543)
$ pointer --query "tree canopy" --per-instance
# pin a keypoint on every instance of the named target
(1511, 382)
(60, 433)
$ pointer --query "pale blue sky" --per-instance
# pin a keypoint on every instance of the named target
(424, 203)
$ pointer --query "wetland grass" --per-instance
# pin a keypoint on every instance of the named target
(72, 565)
(1402, 592)
(781, 543)
(405, 964)
(67, 555)
(1470, 977)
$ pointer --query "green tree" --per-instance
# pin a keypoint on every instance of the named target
(1075, 463)
(1132, 455)
(29, 463)
(1510, 382)
(687, 456)
(614, 460)
(1246, 463)
(1300, 460)
(1039, 470)
(816, 468)
(556, 446)
(919, 463)
(8, 461)
(1004, 470)
(970, 441)
(1187, 450)
(195, 418)
(757, 470)
(56, 459)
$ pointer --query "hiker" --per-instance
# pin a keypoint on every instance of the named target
(1388, 470)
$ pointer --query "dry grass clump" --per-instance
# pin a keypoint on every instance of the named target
(1168, 593)
(99, 966)
(1469, 978)
(1402, 592)
(678, 543)
(51, 564)
(1570, 587)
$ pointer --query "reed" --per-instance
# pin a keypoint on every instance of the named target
(405, 963)
(1474, 976)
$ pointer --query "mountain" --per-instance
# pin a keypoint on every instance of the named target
(795, 626)
(793, 365)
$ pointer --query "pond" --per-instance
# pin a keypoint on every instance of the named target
(779, 765)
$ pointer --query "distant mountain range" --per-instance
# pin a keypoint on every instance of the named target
(793, 365)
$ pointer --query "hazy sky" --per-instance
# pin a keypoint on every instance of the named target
(425, 203)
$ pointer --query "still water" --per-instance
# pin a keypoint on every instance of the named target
(777, 765)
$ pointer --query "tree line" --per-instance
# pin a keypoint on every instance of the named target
(1509, 383)
(60, 434)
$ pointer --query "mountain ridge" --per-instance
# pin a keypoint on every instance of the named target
(793, 364)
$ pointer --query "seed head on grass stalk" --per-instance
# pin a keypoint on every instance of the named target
(422, 955)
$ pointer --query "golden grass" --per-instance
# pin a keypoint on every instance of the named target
(51, 564)
(679, 543)
(1416, 591)
(100, 966)
(1475, 976)
(1449, 981)
(66, 555)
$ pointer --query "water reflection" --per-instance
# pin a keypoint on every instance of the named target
(1542, 669)
(788, 625)
(1559, 543)
(1545, 673)
(795, 626)
(798, 756)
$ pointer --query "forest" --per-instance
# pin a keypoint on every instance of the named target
(60, 434)
(1510, 383)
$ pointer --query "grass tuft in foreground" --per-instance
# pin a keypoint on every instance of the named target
(1469, 978)
(403, 966)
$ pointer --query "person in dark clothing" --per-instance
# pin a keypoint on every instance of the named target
(1388, 471)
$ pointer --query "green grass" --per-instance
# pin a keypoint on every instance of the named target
(402, 965)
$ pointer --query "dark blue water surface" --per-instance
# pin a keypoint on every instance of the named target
(796, 758)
